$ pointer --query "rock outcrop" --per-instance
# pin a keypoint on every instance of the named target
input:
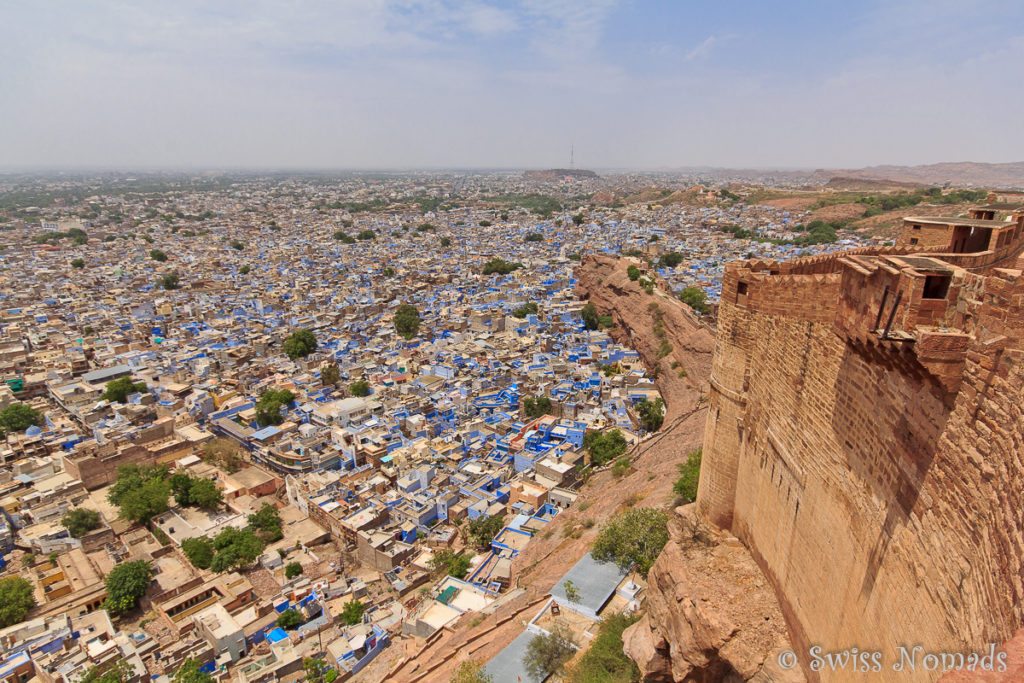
(711, 613)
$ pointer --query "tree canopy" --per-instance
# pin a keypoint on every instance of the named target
(329, 374)
(359, 388)
(500, 266)
(604, 446)
(140, 493)
(696, 298)
(236, 549)
(267, 523)
(289, 619)
(633, 272)
(119, 389)
(80, 521)
(633, 538)
(352, 612)
(483, 529)
(126, 584)
(450, 562)
(300, 344)
(652, 414)
(268, 408)
(157, 255)
(535, 407)
(16, 600)
(199, 551)
(670, 260)
(18, 417)
(191, 672)
(547, 654)
(407, 321)
(525, 310)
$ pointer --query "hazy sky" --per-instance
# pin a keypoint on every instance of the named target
(439, 83)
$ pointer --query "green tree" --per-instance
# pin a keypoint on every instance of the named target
(366, 235)
(237, 245)
(292, 569)
(471, 671)
(199, 551)
(18, 417)
(633, 538)
(77, 263)
(352, 612)
(268, 408)
(190, 672)
(546, 655)
(482, 530)
(28, 559)
(577, 220)
(591, 318)
(141, 493)
(267, 523)
(170, 281)
(450, 562)
(696, 298)
(604, 661)
(343, 238)
(670, 260)
(633, 272)
(329, 374)
(157, 255)
(359, 388)
(500, 266)
(126, 584)
(300, 344)
(604, 446)
(388, 271)
(525, 310)
(245, 270)
(236, 549)
(689, 471)
(535, 407)
(534, 237)
(407, 321)
(181, 488)
(316, 669)
(652, 414)
(289, 619)
(572, 592)
(205, 494)
(16, 600)
(80, 521)
(119, 389)
(445, 242)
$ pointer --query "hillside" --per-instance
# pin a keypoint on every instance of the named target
(969, 173)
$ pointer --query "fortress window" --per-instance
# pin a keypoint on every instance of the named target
(936, 286)
(741, 294)
(913, 240)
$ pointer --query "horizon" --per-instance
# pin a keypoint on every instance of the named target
(453, 84)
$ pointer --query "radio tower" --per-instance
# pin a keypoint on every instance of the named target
(572, 157)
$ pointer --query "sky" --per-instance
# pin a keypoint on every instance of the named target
(475, 84)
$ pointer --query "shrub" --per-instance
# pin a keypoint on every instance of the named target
(689, 471)
(359, 388)
(696, 298)
(604, 661)
(292, 569)
(157, 255)
(633, 272)
(77, 263)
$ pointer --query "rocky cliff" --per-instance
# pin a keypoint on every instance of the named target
(711, 613)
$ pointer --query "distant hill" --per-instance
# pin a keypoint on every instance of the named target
(558, 174)
(969, 173)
